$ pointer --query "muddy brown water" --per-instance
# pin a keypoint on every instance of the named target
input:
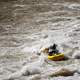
(23, 23)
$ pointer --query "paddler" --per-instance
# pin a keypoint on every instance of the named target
(53, 50)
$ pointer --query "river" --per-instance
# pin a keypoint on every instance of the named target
(26, 26)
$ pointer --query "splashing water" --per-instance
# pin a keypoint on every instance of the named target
(27, 26)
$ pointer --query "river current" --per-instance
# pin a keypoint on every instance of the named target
(27, 26)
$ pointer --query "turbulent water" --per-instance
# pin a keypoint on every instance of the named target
(27, 26)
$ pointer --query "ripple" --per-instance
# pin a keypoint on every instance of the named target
(75, 6)
(47, 21)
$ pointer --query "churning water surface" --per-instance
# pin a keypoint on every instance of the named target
(26, 26)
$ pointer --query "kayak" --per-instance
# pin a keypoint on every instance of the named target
(56, 57)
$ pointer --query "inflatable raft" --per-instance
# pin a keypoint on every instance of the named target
(56, 57)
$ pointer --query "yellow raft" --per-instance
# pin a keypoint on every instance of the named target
(56, 57)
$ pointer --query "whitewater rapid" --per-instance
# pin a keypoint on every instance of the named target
(38, 25)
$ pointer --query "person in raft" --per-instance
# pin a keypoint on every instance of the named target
(53, 50)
